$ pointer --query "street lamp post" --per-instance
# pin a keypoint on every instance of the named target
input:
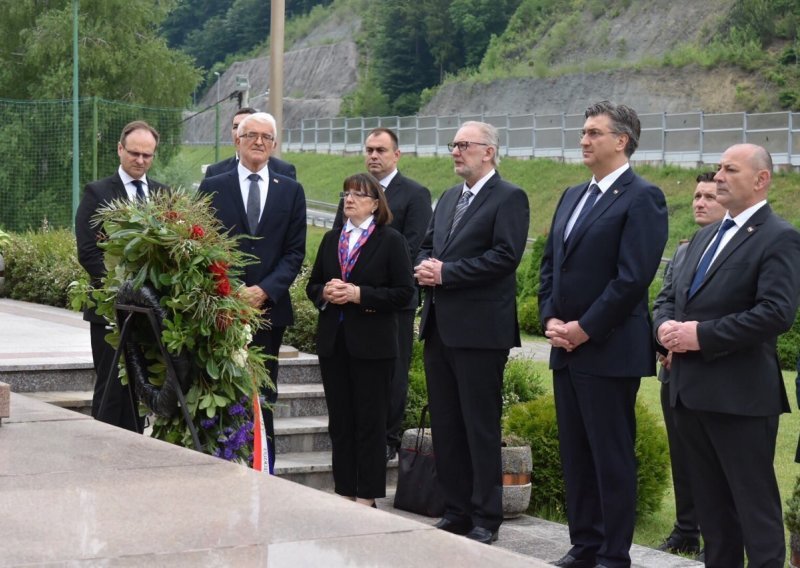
(216, 121)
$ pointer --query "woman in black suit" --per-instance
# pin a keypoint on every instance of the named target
(361, 277)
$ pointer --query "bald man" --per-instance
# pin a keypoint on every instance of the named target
(736, 291)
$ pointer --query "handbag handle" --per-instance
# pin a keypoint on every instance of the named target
(421, 429)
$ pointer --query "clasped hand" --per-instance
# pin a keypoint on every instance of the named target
(565, 335)
(679, 337)
(339, 292)
(429, 272)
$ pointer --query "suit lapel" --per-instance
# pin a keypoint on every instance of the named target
(741, 236)
(606, 200)
(234, 196)
(475, 204)
(367, 252)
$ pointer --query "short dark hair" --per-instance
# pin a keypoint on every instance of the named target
(623, 119)
(706, 177)
(244, 110)
(137, 125)
(388, 131)
(367, 183)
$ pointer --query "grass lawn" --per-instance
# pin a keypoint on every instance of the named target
(653, 529)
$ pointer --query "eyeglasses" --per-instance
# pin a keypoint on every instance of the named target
(136, 155)
(357, 194)
(253, 136)
(594, 134)
(462, 146)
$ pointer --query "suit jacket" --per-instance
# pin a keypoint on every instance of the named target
(749, 296)
(383, 272)
(97, 194)
(672, 267)
(601, 277)
(410, 204)
(281, 243)
(275, 165)
(476, 303)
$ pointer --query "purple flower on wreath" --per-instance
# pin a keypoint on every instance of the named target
(208, 423)
(236, 410)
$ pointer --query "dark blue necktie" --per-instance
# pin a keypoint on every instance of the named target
(139, 190)
(705, 262)
(594, 191)
(253, 203)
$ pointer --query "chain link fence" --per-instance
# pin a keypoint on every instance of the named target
(36, 145)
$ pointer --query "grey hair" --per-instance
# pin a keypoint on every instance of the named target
(490, 137)
(624, 120)
(262, 117)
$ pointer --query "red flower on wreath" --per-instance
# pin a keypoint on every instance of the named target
(197, 232)
(220, 271)
(171, 215)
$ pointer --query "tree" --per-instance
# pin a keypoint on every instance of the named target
(121, 55)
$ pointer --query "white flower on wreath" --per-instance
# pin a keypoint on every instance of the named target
(239, 357)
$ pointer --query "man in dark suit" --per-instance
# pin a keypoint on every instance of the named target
(276, 165)
(136, 149)
(604, 248)
(685, 535)
(410, 204)
(467, 264)
(737, 291)
(252, 200)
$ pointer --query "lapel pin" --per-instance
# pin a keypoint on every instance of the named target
(274, 180)
(616, 191)
(750, 229)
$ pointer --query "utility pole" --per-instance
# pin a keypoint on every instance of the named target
(76, 161)
(216, 121)
(277, 18)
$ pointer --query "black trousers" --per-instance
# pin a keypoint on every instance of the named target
(734, 486)
(356, 391)
(597, 433)
(685, 514)
(117, 408)
(398, 392)
(465, 397)
(270, 340)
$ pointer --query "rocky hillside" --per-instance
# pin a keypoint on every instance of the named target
(632, 40)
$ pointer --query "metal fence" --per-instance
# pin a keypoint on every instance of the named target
(685, 139)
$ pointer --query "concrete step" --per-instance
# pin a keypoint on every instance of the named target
(300, 400)
(302, 434)
(314, 469)
(79, 401)
(303, 369)
(45, 377)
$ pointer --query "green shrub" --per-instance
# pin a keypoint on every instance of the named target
(417, 388)
(528, 288)
(5, 238)
(528, 314)
(302, 335)
(521, 382)
(40, 266)
(536, 422)
(789, 345)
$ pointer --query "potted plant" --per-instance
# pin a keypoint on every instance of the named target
(791, 516)
(517, 462)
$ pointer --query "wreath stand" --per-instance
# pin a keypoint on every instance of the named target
(172, 377)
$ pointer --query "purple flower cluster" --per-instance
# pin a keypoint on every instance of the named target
(232, 440)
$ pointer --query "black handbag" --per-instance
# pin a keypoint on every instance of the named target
(418, 489)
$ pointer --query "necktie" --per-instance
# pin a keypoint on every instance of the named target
(253, 203)
(594, 191)
(139, 190)
(705, 262)
(461, 207)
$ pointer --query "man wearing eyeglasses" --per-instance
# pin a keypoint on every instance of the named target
(410, 204)
(467, 264)
(136, 149)
(252, 200)
(603, 250)
(276, 165)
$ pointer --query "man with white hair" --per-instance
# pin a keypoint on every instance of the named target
(467, 263)
(250, 200)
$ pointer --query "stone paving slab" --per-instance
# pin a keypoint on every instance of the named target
(82, 493)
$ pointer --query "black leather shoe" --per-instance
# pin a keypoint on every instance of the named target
(677, 543)
(391, 453)
(482, 535)
(453, 526)
(569, 561)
